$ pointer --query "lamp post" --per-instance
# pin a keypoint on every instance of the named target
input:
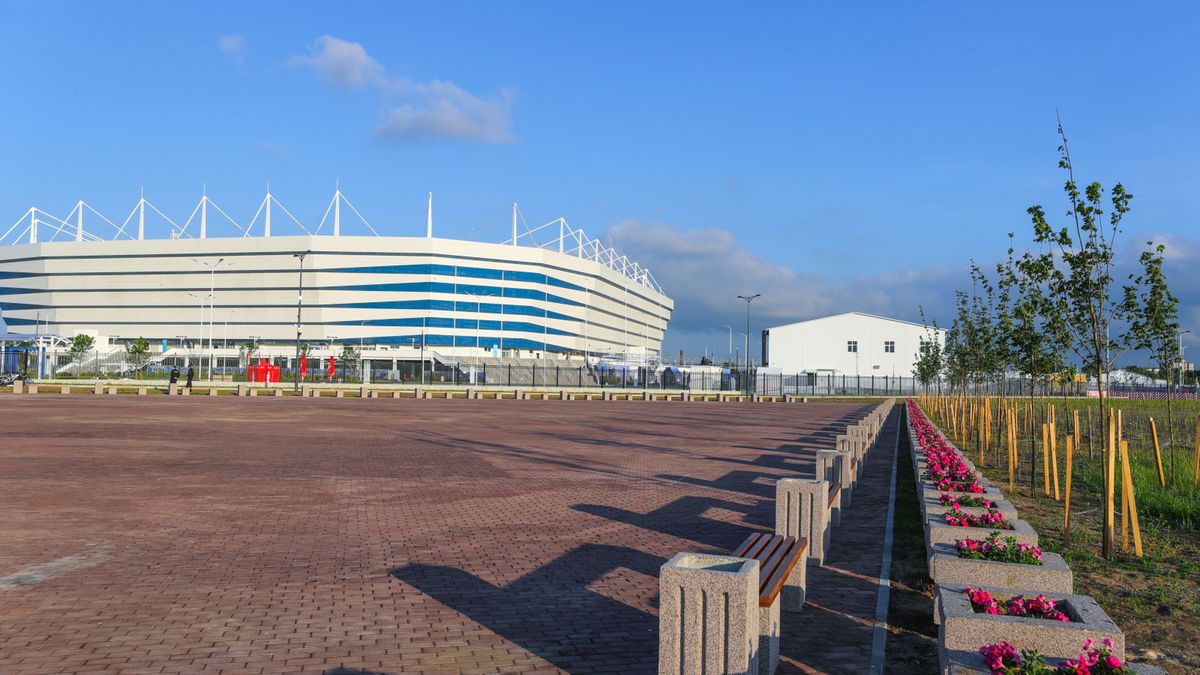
(212, 300)
(201, 297)
(299, 307)
(748, 299)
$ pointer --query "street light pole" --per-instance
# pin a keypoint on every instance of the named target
(299, 306)
(748, 299)
(212, 301)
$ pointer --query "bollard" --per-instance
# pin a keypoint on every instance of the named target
(708, 618)
(802, 510)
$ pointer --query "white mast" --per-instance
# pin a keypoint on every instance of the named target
(514, 223)
(142, 216)
(337, 208)
(204, 216)
(429, 218)
(561, 223)
(79, 221)
(267, 222)
(33, 221)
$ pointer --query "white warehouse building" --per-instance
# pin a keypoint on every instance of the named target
(850, 344)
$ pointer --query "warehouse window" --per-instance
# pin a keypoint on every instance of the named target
(889, 346)
(852, 346)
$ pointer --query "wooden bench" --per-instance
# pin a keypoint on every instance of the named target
(777, 556)
(781, 570)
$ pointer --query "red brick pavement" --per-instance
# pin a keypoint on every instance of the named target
(301, 535)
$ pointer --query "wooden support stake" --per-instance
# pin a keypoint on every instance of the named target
(1196, 456)
(1054, 458)
(1078, 438)
(1162, 479)
(1110, 463)
(1067, 493)
(1046, 459)
(1124, 496)
(1137, 531)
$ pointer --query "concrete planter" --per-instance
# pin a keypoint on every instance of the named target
(1052, 576)
(938, 532)
(962, 628)
(932, 507)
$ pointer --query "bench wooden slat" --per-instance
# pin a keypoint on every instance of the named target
(777, 556)
(787, 562)
(833, 492)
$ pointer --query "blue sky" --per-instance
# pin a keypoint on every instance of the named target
(831, 157)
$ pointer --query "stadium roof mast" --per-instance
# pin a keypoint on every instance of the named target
(429, 218)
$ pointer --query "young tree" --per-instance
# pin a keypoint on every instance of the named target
(1036, 335)
(80, 346)
(349, 355)
(138, 354)
(1153, 323)
(930, 361)
(1081, 276)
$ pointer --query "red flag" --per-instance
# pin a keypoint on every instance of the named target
(303, 365)
(331, 366)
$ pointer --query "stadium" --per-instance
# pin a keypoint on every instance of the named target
(548, 295)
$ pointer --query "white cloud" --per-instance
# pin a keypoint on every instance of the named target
(434, 109)
(277, 149)
(233, 48)
(342, 62)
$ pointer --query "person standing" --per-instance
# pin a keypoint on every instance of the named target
(174, 374)
(191, 375)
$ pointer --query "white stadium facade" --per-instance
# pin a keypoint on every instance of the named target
(549, 293)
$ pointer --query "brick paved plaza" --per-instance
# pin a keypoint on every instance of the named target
(304, 535)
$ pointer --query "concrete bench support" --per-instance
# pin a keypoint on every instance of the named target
(802, 511)
(708, 615)
(185, 391)
(278, 393)
(172, 389)
(66, 389)
(363, 392)
(112, 391)
(254, 391)
(212, 391)
(829, 469)
(143, 391)
(18, 386)
(33, 389)
(339, 394)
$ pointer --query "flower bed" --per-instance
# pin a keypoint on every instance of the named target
(993, 548)
(1041, 607)
(983, 544)
(1003, 659)
(991, 519)
(955, 501)
(1050, 576)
